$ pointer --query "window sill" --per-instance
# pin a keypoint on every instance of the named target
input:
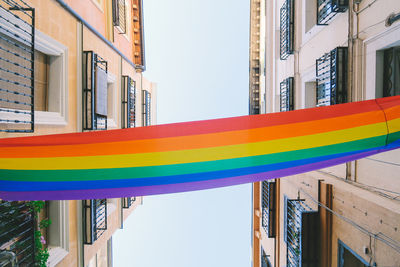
(49, 118)
(56, 254)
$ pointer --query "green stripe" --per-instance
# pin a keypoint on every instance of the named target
(188, 168)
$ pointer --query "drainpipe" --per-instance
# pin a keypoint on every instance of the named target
(350, 71)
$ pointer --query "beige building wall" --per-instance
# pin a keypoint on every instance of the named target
(62, 36)
(365, 197)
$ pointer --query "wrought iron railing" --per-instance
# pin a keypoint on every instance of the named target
(17, 47)
(287, 94)
(146, 108)
(301, 231)
(94, 115)
(17, 226)
(127, 202)
(287, 29)
(268, 207)
(94, 219)
(128, 102)
(391, 70)
(331, 73)
(327, 10)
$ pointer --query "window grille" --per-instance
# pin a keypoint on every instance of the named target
(331, 72)
(119, 14)
(17, 35)
(391, 71)
(127, 202)
(327, 10)
(146, 108)
(268, 207)
(301, 233)
(94, 219)
(128, 102)
(287, 29)
(17, 226)
(287, 94)
(94, 93)
(264, 259)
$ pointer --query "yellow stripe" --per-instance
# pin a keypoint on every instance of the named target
(394, 125)
(196, 155)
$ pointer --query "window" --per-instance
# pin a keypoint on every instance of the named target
(119, 14)
(127, 202)
(327, 9)
(265, 259)
(287, 29)
(348, 258)
(388, 72)
(287, 94)
(268, 207)
(95, 92)
(300, 233)
(332, 77)
(146, 108)
(94, 219)
(128, 102)
(16, 68)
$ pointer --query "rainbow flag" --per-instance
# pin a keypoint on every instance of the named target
(195, 155)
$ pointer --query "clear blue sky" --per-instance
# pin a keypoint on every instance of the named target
(197, 53)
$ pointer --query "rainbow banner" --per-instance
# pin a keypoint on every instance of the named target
(195, 155)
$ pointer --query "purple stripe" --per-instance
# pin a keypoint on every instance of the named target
(175, 188)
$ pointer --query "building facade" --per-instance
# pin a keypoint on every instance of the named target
(310, 53)
(71, 66)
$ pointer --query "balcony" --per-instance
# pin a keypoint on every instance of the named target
(287, 94)
(287, 29)
(331, 73)
(300, 233)
(268, 208)
(146, 112)
(128, 102)
(327, 10)
(127, 202)
(17, 35)
(94, 71)
(17, 226)
(94, 219)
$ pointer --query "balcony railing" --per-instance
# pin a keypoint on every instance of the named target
(127, 202)
(268, 207)
(331, 73)
(17, 47)
(94, 72)
(264, 259)
(301, 233)
(128, 102)
(17, 225)
(287, 94)
(146, 108)
(94, 219)
(327, 10)
(287, 29)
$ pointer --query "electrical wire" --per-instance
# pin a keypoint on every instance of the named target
(391, 243)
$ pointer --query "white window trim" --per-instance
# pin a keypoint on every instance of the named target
(378, 42)
(58, 231)
(112, 120)
(51, 47)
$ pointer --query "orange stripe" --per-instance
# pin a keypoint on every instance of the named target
(197, 141)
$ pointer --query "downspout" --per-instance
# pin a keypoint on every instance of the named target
(350, 44)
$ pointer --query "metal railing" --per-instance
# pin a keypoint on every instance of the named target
(296, 209)
(327, 10)
(94, 219)
(146, 112)
(127, 202)
(268, 208)
(128, 102)
(287, 94)
(92, 63)
(17, 226)
(264, 259)
(287, 29)
(331, 73)
(17, 60)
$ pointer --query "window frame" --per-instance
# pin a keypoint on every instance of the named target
(287, 89)
(268, 220)
(286, 29)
